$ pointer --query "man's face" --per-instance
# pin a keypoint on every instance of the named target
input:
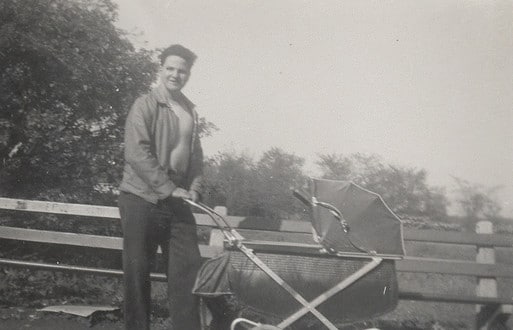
(174, 73)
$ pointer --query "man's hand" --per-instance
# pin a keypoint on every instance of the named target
(194, 196)
(184, 194)
(181, 193)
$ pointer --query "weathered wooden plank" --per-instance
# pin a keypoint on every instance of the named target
(111, 212)
(59, 208)
(454, 237)
(84, 240)
(454, 267)
(54, 237)
(452, 298)
(72, 269)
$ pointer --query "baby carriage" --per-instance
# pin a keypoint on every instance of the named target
(346, 275)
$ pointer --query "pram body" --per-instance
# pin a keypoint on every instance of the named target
(374, 233)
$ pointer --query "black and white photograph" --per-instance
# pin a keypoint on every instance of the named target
(256, 164)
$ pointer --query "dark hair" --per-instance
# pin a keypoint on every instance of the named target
(178, 50)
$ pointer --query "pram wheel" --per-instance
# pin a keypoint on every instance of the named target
(265, 327)
(252, 325)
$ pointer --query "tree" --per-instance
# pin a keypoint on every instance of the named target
(259, 189)
(67, 79)
(404, 189)
(206, 128)
(477, 201)
(230, 182)
(279, 173)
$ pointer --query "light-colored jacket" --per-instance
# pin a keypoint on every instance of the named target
(151, 131)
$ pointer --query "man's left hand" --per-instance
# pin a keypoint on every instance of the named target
(194, 196)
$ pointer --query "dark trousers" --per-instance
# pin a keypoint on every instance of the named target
(170, 225)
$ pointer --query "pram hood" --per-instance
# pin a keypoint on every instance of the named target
(372, 226)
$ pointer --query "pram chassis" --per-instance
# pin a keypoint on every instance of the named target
(235, 240)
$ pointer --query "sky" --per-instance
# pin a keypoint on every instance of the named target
(423, 84)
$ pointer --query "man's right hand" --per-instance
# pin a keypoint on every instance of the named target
(181, 193)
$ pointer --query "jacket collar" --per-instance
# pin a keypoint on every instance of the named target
(160, 95)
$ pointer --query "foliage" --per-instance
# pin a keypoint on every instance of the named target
(206, 128)
(67, 78)
(260, 188)
(424, 222)
(263, 188)
(477, 201)
(404, 189)
(230, 183)
(278, 174)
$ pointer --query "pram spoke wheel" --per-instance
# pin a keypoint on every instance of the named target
(253, 325)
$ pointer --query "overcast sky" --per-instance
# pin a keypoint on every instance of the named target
(426, 84)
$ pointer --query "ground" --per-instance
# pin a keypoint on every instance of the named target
(29, 318)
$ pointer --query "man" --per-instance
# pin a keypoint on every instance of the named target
(163, 166)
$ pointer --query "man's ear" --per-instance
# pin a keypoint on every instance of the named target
(186, 79)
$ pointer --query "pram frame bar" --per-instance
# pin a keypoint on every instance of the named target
(307, 249)
(376, 261)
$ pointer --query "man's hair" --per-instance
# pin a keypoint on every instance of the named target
(180, 51)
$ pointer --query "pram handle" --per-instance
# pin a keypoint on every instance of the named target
(231, 235)
(211, 212)
(302, 196)
(311, 202)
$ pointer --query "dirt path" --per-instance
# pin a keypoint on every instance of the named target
(56, 324)
(24, 318)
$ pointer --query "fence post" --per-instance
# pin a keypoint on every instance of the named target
(222, 210)
(216, 235)
(487, 315)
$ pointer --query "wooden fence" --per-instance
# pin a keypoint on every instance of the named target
(492, 307)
